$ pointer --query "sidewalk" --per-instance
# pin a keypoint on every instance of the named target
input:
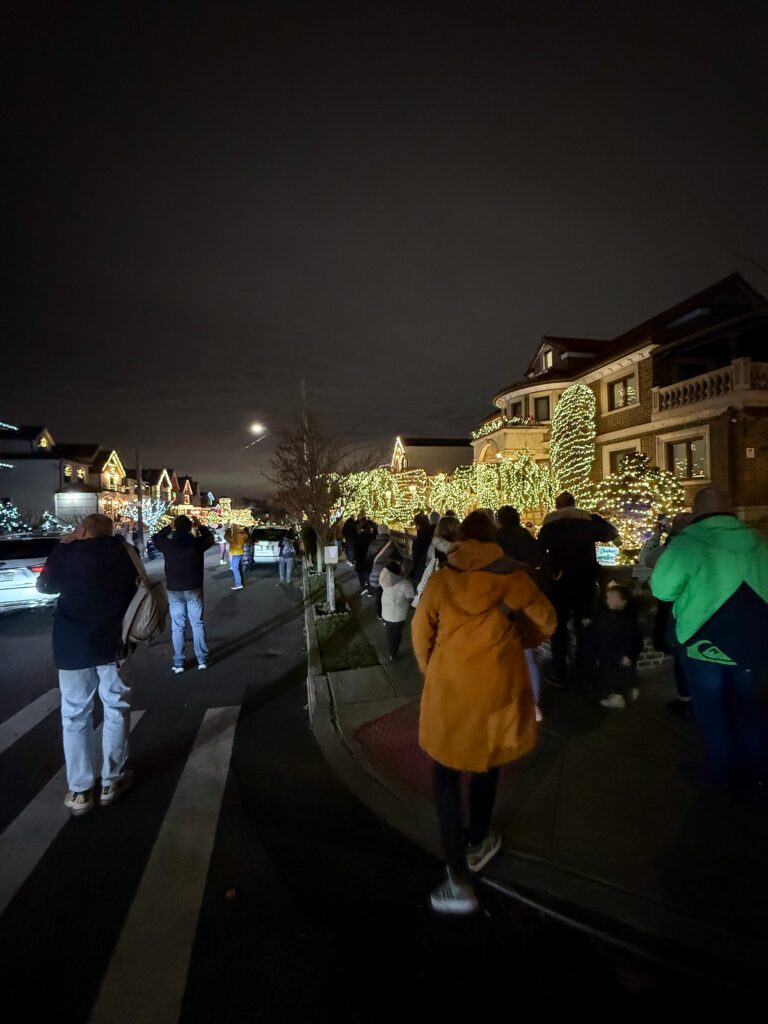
(608, 814)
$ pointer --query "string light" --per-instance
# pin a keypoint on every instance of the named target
(11, 520)
(152, 511)
(572, 445)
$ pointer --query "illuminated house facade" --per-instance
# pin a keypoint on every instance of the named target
(689, 388)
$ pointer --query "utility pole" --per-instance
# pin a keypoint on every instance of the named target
(140, 504)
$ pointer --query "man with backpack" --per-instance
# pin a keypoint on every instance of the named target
(184, 554)
(95, 578)
(286, 556)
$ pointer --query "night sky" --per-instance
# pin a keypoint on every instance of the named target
(395, 200)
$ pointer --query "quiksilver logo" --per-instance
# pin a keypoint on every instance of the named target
(705, 650)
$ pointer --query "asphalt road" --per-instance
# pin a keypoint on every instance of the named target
(239, 880)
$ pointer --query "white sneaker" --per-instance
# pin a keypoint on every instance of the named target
(237, 588)
(634, 693)
(114, 790)
(177, 668)
(79, 803)
(539, 716)
(454, 896)
(478, 856)
(613, 700)
(201, 666)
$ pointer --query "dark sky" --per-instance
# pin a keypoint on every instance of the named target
(394, 199)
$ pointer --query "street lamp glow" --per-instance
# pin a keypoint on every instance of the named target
(257, 428)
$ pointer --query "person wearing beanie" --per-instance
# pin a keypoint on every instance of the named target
(381, 549)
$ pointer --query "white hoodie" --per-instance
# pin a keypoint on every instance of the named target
(396, 597)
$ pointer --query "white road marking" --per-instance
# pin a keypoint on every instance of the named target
(29, 835)
(147, 976)
(14, 728)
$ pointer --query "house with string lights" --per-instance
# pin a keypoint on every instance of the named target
(688, 387)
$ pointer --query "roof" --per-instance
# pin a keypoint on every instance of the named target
(26, 433)
(84, 452)
(149, 476)
(661, 329)
(435, 442)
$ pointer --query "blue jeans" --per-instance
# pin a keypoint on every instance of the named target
(731, 709)
(286, 569)
(187, 604)
(234, 564)
(78, 690)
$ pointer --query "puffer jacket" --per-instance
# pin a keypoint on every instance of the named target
(469, 631)
(396, 597)
(382, 548)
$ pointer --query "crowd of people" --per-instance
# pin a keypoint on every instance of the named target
(485, 595)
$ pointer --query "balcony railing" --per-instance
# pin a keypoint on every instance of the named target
(740, 375)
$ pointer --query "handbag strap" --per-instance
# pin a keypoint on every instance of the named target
(137, 564)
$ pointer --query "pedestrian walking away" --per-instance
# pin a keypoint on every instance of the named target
(220, 533)
(567, 541)
(235, 537)
(470, 630)
(446, 535)
(95, 578)
(366, 532)
(617, 644)
(716, 573)
(380, 551)
(184, 553)
(286, 556)
(396, 597)
(421, 542)
(664, 638)
(349, 536)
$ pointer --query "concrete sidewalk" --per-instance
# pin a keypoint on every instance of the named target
(609, 814)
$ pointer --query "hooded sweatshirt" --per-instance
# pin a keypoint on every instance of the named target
(716, 572)
(397, 594)
(567, 540)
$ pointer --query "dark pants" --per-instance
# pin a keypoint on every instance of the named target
(378, 593)
(450, 811)
(394, 636)
(572, 599)
(681, 672)
(731, 708)
(617, 678)
(349, 551)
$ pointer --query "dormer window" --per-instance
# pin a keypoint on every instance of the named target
(43, 442)
(547, 359)
(67, 473)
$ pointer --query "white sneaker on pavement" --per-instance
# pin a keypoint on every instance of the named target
(613, 700)
(539, 715)
(454, 896)
(478, 856)
(114, 790)
(240, 587)
(177, 668)
(202, 666)
(634, 693)
(79, 803)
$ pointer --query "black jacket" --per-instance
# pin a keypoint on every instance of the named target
(95, 580)
(567, 541)
(617, 635)
(183, 557)
(419, 550)
(516, 542)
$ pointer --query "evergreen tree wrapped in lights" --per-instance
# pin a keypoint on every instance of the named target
(572, 445)
(11, 520)
(525, 484)
(635, 497)
(152, 511)
(50, 524)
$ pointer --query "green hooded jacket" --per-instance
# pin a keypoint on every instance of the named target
(704, 567)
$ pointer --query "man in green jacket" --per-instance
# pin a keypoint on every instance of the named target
(716, 573)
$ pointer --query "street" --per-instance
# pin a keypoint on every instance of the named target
(239, 879)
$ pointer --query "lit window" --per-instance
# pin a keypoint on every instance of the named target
(622, 392)
(541, 409)
(547, 359)
(688, 459)
(516, 410)
(43, 442)
(67, 472)
(80, 473)
(616, 457)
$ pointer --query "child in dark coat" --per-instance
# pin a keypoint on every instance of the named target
(618, 642)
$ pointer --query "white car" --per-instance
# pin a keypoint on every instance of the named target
(22, 559)
(266, 543)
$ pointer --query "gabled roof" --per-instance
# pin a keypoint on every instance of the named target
(435, 442)
(82, 452)
(148, 476)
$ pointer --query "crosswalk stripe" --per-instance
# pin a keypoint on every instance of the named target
(14, 728)
(147, 976)
(29, 835)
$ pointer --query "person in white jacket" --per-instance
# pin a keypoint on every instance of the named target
(396, 597)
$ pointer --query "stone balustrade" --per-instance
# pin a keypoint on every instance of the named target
(740, 375)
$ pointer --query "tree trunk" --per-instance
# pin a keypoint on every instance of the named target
(330, 587)
(319, 556)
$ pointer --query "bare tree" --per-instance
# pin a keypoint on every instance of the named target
(308, 468)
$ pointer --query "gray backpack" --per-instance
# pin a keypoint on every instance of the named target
(146, 615)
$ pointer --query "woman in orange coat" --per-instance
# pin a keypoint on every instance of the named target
(471, 627)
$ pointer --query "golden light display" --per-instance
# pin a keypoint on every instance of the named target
(572, 445)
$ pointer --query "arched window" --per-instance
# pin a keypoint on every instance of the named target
(489, 452)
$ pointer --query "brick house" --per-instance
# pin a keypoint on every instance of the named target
(689, 387)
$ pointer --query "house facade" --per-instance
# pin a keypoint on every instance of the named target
(688, 387)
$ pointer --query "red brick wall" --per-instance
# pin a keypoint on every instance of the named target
(632, 416)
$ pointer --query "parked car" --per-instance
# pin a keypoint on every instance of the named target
(266, 543)
(22, 559)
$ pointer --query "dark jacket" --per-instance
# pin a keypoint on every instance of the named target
(95, 580)
(349, 530)
(516, 542)
(362, 543)
(567, 541)
(617, 635)
(183, 557)
(419, 550)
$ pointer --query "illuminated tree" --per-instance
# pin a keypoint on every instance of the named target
(572, 444)
(152, 511)
(634, 497)
(526, 484)
(11, 520)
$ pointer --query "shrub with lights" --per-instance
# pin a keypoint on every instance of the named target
(572, 444)
(633, 499)
(11, 520)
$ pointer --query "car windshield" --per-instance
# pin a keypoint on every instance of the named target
(27, 547)
(265, 533)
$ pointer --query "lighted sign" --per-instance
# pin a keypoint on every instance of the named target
(607, 554)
